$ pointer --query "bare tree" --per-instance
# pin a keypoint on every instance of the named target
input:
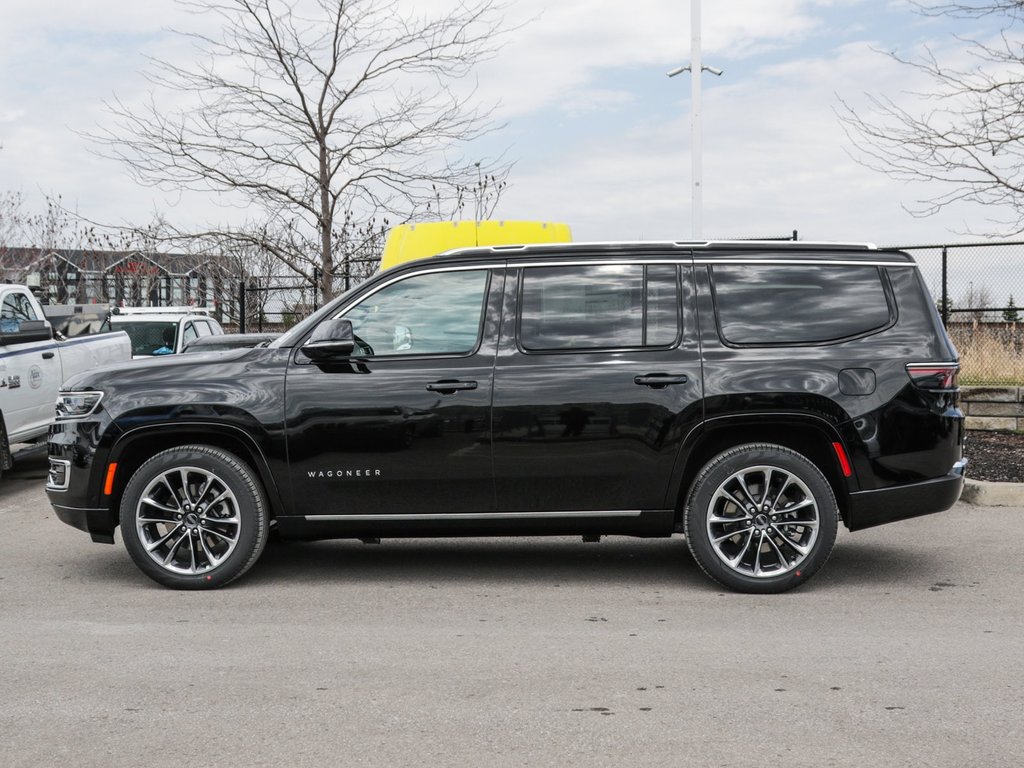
(315, 113)
(12, 221)
(966, 133)
(972, 9)
(978, 299)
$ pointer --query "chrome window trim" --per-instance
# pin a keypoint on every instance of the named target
(427, 270)
(476, 516)
(621, 261)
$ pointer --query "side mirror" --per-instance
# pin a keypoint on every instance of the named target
(25, 331)
(330, 339)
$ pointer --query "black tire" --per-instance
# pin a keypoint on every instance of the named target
(194, 517)
(760, 518)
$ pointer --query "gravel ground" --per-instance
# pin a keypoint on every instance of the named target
(997, 456)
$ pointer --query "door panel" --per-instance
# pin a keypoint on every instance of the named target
(30, 373)
(405, 429)
(580, 429)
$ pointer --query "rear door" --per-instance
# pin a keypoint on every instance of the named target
(597, 382)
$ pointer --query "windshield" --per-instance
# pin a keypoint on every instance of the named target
(149, 338)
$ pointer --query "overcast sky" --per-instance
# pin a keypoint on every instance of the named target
(599, 134)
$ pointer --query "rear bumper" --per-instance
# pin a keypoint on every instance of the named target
(887, 505)
(98, 523)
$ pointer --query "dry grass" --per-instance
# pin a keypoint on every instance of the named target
(990, 354)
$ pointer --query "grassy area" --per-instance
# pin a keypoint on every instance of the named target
(990, 355)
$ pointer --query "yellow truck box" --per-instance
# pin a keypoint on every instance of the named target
(409, 242)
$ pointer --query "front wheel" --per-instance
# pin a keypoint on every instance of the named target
(760, 518)
(194, 517)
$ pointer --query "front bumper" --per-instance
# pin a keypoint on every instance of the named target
(887, 505)
(98, 523)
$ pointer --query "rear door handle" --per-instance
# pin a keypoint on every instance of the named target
(47, 355)
(660, 380)
(450, 387)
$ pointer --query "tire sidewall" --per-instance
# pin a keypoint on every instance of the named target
(251, 510)
(715, 472)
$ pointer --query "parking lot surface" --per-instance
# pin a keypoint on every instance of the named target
(906, 649)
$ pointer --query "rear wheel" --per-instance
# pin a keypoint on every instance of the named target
(760, 518)
(194, 517)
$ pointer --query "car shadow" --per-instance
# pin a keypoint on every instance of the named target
(616, 561)
(561, 560)
(30, 469)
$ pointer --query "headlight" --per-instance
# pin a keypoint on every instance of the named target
(75, 405)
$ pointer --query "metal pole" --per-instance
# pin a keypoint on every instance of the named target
(241, 306)
(695, 132)
(945, 289)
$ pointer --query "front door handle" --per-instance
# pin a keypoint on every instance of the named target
(47, 355)
(450, 387)
(660, 380)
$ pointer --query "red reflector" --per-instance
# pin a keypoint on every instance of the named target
(933, 376)
(108, 486)
(844, 463)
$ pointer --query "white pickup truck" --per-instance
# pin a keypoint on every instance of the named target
(34, 362)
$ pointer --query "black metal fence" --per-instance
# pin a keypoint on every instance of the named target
(275, 303)
(978, 288)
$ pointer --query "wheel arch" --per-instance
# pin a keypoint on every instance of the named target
(136, 446)
(807, 435)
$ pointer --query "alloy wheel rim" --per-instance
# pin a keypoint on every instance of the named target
(188, 520)
(763, 521)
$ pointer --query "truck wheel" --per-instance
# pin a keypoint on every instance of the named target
(194, 517)
(760, 518)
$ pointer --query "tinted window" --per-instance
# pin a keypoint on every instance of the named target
(434, 314)
(798, 304)
(599, 307)
(662, 325)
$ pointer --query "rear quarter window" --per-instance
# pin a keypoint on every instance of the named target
(774, 305)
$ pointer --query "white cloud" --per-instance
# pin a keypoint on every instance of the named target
(775, 159)
(774, 152)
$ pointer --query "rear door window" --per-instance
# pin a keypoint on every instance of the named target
(600, 306)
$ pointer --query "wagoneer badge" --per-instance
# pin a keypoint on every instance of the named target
(343, 473)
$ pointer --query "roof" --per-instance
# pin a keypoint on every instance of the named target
(705, 249)
(133, 311)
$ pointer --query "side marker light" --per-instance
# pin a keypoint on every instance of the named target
(844, 462)
(108, 486)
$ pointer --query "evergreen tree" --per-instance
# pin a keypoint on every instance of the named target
(1010, 314)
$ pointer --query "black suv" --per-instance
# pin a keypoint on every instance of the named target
(745, 394)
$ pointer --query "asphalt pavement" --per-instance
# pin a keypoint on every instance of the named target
(906, 649)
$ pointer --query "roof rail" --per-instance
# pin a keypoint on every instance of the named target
(160, 311)
(710, 244)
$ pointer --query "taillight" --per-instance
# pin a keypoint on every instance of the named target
(934, 375)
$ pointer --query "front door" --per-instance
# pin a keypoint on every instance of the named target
(30, 371)
(597, 382)
(402, 427)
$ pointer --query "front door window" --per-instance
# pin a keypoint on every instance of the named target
(434, 314)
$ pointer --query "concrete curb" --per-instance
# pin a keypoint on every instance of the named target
(983, 493)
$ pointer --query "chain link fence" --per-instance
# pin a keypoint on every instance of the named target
(978, 289)
(272, 303)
